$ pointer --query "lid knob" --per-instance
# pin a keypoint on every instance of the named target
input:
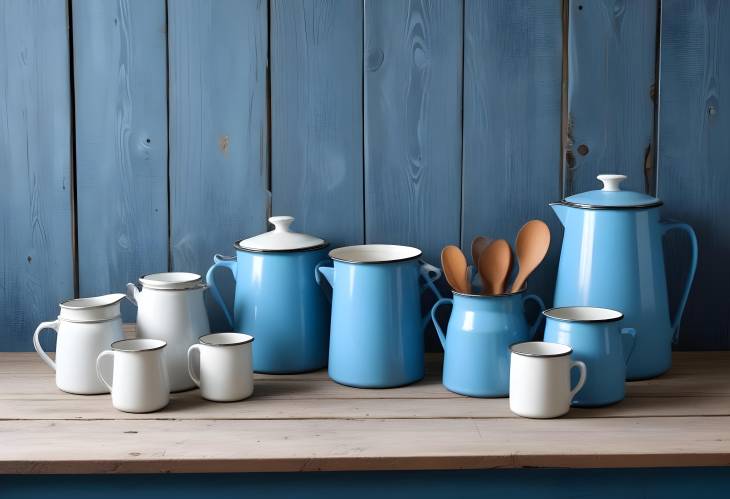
(282, 223)
(611, 182)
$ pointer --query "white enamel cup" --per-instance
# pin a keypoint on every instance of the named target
(140, 382)
(226, 366)
(539, 379)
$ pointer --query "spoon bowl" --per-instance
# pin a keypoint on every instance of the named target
(495, 264)
(531, 246)
(454, 264)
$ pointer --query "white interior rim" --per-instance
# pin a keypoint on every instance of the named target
(92, 302)
(168, 279)
(375, 253)
(541, 349)
(583, 314)
(225, 339)
(138, 345)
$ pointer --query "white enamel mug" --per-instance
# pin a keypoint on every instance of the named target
(140, 382)
(226, 367)
(539, 379)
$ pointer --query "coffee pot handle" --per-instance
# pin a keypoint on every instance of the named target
(439, 331)
(225, 262)
(37, 344)
(666, 227)
(582, 380)
(538, 320)
(105, 353)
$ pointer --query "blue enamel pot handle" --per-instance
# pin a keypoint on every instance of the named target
(666, 227)
(430, 275)
(322, 269)
(225, 262)
(439, 331)
(538, 320)
(628, 342)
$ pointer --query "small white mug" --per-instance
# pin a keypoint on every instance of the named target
(226, 366)
(139, 379)
(539, 379)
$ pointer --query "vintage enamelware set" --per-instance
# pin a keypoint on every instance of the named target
(610, 323)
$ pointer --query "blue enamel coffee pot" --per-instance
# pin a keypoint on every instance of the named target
(612, 257)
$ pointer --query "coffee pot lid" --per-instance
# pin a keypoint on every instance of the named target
(611, 196)
(281, 238)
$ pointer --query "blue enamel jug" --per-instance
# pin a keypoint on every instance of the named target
(612, 257)
(598, 340)
(477, 340)
(276, 300)
(377, 336)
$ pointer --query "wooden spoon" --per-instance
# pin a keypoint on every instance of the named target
(495, 264)
(453, 262)
(531, 245)
(478, 245)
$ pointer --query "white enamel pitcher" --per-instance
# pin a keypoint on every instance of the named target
(85, 327)
(171, 307)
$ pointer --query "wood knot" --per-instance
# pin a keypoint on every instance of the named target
(374, 59)
(223, 144)
(583, 149)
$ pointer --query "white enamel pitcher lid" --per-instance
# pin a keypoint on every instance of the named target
(93, 309)
(611, 196)
(281, 238)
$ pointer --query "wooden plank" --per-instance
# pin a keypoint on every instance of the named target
(218, 129)
(36, 260)
(611, 87)
(326, 445)
(512, 92)
(316, 122)
(693, 159)
(120, 81)
(413, 84)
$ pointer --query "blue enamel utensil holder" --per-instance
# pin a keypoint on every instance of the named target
(479, 334)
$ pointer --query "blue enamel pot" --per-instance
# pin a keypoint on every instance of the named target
(477, 340)
(377, 329)
(598, 340)
(276, 300)
(612, 257)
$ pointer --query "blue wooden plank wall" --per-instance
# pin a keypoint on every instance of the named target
(120, 83)
(36, 254)
(145, 135)
(694, 158)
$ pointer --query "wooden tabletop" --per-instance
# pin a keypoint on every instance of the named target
(307, 423)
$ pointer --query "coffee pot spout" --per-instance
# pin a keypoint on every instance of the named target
(560, 210)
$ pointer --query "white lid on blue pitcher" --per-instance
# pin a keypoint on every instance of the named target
(611, 196)
(281, 238)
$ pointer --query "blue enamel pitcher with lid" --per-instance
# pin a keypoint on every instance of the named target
(276, 300)
(612, 257)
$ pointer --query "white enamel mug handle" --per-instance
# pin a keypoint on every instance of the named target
(193, 376)
(582, 381)
(37, 344)
(103, 354)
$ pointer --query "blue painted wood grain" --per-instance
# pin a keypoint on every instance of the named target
(611, 72)
(36, 262)
(316, 122)
(413, 85)
(694, 159)
(120, 82)
(512, 95)
(660, 483)
(218, 129)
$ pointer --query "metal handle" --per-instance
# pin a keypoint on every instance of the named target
(439, 331)
(193, 376)
(582, 380)
(628, 342)
(37, 344)
(538, 319)
(103, 354)
(230, 264)
(667, 226)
